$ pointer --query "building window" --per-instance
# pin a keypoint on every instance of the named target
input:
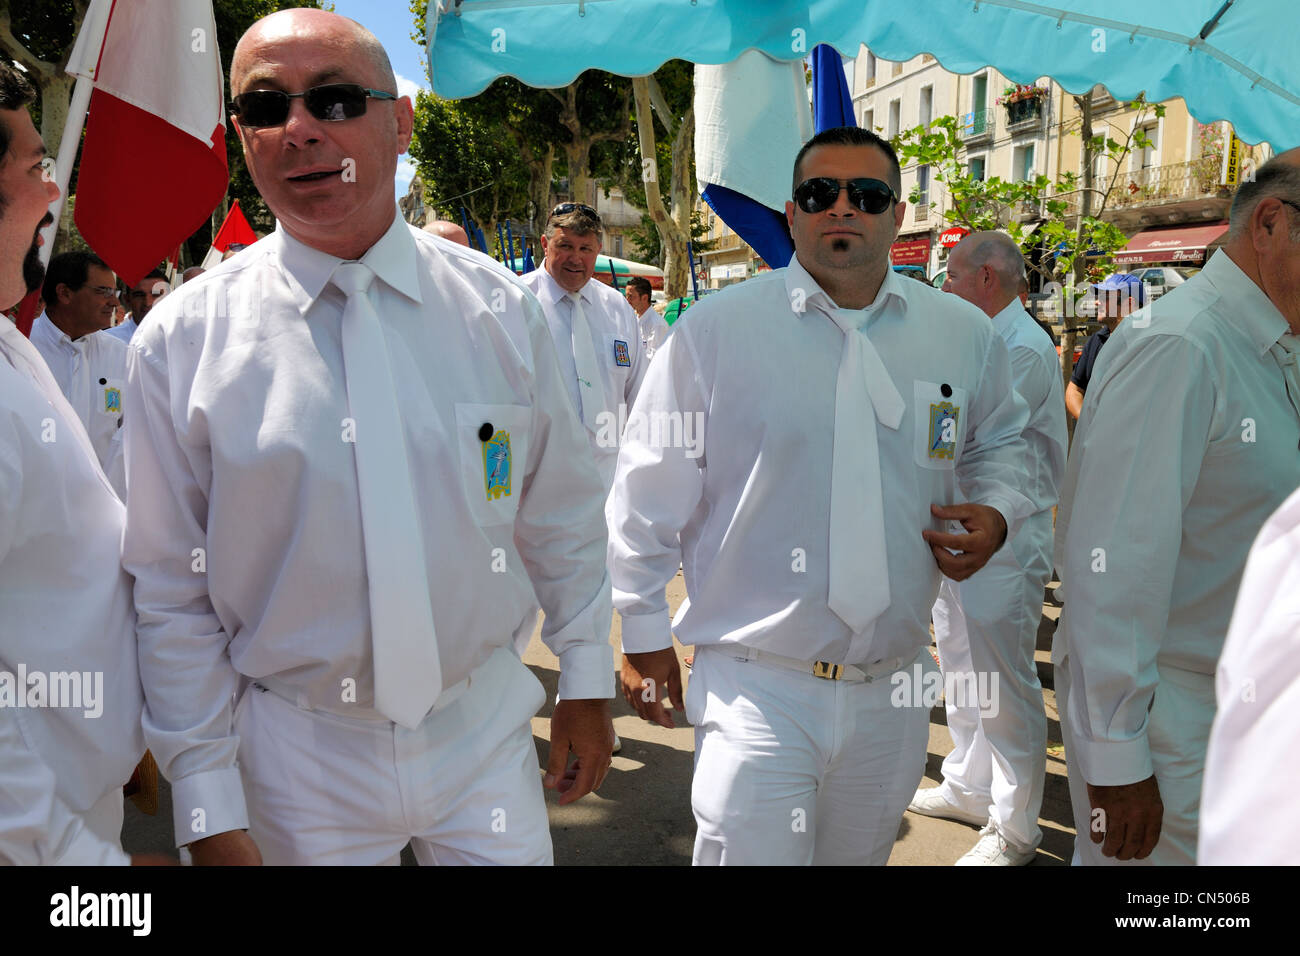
(923, 184)
(927, 105)
(871, 69)
(1148, 156)
(618, 246)
(980, 93)
(1022, 163)
(975, 167)
(869, 120)
(895, 115)
(898, 68)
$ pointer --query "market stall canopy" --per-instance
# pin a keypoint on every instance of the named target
(1175, 244)
(1228, 59)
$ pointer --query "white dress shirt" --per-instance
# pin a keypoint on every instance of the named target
(123, 331)
(1186, 443)
(1036, 375)
(1248, 803)
(612, 323)
(91, 372)
(244, 526)
(65, 606)
(753, 511)
(654, 330)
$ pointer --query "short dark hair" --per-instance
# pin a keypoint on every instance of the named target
(851, 136)
(70, 269)
(15, 93)
(641, 284)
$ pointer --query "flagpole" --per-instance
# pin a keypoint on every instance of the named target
(96, 21)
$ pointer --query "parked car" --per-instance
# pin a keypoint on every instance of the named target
(912, 272)
(1158, 280)
(939, 278)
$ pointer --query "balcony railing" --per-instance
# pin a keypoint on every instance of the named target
(1162, 184)
(1024, 115)
(921, 211)
(976, 125)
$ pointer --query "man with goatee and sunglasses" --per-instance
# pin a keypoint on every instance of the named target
(353, 465)
(853, 419)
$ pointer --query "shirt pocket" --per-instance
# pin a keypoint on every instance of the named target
(493, 443)
(941, 411)
(108, 397)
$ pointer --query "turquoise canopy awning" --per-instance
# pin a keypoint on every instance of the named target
(1237, 60)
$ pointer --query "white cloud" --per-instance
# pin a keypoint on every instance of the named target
(407, 87)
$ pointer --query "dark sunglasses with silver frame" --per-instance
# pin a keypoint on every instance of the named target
(820, 193)
(332, 102)
(564, 208)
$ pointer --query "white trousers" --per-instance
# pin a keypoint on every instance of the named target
(984, 626)
(463, 788)
(793, 769)
(1178, 732)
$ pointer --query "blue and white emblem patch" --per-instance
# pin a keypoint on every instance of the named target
(943, 430)
(621, 356)
(496, 465)
(113, 400)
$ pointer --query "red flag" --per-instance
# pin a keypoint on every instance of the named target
(153, 165)
(234, 229)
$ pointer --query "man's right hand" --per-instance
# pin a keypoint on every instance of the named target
(232, 848)
(648, 679)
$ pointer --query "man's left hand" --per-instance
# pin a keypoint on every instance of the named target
(582, 727)
(988, 530)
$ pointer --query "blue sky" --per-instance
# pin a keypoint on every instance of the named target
(391, 21)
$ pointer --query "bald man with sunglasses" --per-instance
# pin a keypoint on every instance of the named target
(355, 473)
(851, 419)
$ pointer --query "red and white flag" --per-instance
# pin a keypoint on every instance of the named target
(153, 165)
(234, 230)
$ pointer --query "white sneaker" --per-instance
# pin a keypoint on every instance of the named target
(993, 850)
(932, 803)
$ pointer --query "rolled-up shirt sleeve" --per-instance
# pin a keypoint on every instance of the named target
(1136, 457)
(656, 489)
(185, 668)
(991, 469)
(560, 532)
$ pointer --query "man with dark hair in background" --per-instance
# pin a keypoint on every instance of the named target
(65, 602)
(89, 364)
(141, 298)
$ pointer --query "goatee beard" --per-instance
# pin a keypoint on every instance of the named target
(33, 268)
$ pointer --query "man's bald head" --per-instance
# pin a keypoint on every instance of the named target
(448, 230)
(986, 269)
(285, 24)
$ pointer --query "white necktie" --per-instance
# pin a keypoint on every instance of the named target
(591, 387)
(24, 357)
(864, 393)
(408, 674)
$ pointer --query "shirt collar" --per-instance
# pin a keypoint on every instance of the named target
(392, 259)
(1253, 311)
(799, 284)
(552, 292)
(1002, 321)
(46, 331)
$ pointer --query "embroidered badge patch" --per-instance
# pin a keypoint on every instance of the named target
(620, 353)
(113, 400)
(496, 465)
(943, 430)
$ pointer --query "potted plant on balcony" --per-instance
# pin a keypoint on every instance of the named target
(1023, 101)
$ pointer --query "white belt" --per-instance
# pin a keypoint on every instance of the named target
(826, 670)
(300, 700)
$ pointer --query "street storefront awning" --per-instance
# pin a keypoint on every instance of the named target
(909, 252)
(1173, 244)
(952, 235)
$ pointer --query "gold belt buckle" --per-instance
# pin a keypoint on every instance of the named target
(827, 671)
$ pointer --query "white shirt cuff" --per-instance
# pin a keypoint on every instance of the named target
(643, 633)
(1114, 763)
(587, 672)
(207, 803)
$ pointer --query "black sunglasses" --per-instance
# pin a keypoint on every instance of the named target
(333, 103)
(564, 208)
(870, 195)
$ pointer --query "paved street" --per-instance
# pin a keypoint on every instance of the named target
(642, 814)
